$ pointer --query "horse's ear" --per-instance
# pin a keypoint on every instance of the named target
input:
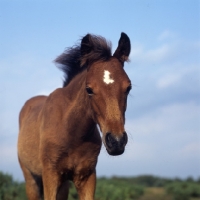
(86, 45)
(86, 48)
(124, 47)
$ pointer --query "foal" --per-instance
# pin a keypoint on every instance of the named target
(58, 138)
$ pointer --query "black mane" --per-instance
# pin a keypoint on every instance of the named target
(73, 60)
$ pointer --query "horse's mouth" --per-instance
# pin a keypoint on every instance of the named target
(115, 152)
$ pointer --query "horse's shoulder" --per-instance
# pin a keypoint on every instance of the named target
(57, 95)
(51, 117)
(40, 99)
(54, 103)
(32, 105)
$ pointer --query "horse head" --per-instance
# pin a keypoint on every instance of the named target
(107, 86)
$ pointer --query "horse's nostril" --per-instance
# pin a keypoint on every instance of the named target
(109, 140)
(124, 139)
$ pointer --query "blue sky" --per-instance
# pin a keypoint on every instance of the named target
(163, 116)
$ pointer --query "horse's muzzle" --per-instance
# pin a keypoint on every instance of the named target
(114, 145)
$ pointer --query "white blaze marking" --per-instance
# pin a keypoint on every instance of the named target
(106, 77)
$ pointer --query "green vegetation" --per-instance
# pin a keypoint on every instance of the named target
(119, 188)
(10, 189)
(183, 190)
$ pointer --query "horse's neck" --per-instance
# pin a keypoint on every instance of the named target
(80, 110)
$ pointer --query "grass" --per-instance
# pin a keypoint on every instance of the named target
(158, 193)
(155, 193)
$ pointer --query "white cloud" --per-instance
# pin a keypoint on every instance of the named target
(168, 80)
(165, 126)
(167, 34)
(8, 152)
(173, 50)
(159, 54)
(166, 118)
(136, 51)
(191, 149)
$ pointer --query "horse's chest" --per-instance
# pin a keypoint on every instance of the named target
(81, 160)
(78, 168)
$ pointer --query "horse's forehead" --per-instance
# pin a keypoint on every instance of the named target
(109, 71)
(107, 79)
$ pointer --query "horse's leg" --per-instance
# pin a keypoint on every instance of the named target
(86, 189)
(63, 191)
(32, 187)
(51, 183)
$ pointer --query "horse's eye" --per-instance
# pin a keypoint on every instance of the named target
(128, 89)
(89, 91)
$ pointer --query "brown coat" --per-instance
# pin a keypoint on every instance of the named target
(59, 139)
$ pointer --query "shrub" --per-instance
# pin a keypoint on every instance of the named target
(10, 189)
(183, 190)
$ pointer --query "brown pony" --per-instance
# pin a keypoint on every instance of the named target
(59, 139)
